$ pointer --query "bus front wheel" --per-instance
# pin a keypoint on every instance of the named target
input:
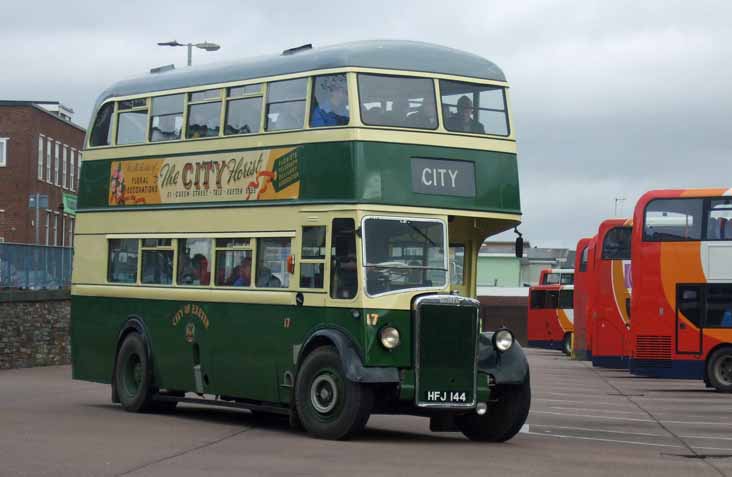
(132, 376)
(719, 369)
(503, 419)
(329, 405)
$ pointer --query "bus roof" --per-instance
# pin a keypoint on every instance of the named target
(382, 54)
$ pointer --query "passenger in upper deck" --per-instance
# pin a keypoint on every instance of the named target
(463, 120)
(330, 102)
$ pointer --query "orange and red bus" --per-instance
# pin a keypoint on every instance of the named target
(682, 274)
(551, 320)
(610, 302)
(583, 288)
(556, 276)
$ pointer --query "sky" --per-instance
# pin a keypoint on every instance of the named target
(610, 98)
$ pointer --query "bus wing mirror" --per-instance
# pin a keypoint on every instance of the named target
(519, 247)
(291, 264)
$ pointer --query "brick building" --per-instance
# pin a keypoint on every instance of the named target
(40, 154)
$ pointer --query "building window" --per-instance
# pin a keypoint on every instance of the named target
(40, 157)
(48, 227)
(55, 229)
(72, 160)
(64, 177)
(78, 169)
(56, 164)
(3, 151)
(49, 148)
(71, 232)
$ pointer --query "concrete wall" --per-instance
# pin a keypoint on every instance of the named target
(34, 329)
(498, 271)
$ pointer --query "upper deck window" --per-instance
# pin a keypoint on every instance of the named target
(474, 108)
(329, 104)
(286, 104)
(131, 121)
(719, 219)
(616, 245)
(551, 279)
(166, 120)
(204, 114)
(243, 109)
(397, 101)
(101, 134)
(673, 220)
(567, 279)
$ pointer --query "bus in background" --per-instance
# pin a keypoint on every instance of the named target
(610, 303)
(682, 274)
(298, 234)
(583, 264)
(556, 276)
(550, 318)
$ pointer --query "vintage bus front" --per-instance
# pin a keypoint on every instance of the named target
(315, 255)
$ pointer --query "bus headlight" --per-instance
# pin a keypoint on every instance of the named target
(503, 340)
(389, 337)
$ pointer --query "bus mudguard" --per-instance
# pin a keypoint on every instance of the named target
(352, 363)
(507, 367)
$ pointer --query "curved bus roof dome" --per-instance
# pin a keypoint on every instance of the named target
(382, 54)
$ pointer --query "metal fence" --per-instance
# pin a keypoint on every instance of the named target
(35, 267)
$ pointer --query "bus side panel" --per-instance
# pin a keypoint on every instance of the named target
(93, 339)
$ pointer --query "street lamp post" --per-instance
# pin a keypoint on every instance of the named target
(204, 46)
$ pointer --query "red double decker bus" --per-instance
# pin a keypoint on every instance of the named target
(583, 289)
(610, 303)
(551, 320)
(682, 274)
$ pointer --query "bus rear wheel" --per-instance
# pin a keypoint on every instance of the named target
(502, 420)
(567, 344)
(329, 405)
(719, 369)
(132, 375)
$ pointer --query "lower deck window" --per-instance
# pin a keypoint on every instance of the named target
(272, 256)
(122, 260)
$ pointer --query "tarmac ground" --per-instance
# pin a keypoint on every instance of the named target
(583, 421)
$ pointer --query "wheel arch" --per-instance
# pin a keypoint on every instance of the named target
(133, 324)
(350, 357)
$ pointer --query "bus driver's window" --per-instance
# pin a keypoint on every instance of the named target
(343, 270)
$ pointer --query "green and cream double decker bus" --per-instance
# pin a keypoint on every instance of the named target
(298, 234)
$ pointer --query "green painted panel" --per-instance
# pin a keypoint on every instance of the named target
(364, 172)
(243, 350)
(499, 271)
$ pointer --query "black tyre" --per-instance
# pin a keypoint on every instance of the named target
(329, 406)
(132, 376)
(567, 344)
(503, 419)
(719, 369)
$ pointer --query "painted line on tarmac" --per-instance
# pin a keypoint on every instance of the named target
(620, 441)
(569, 401)
(572, 428)
(592, 410)
(700, 423)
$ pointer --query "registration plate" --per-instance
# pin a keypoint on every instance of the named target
(447, 397)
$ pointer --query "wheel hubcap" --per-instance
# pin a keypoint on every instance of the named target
(724, 370)
(324, 393)
(134, 374)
